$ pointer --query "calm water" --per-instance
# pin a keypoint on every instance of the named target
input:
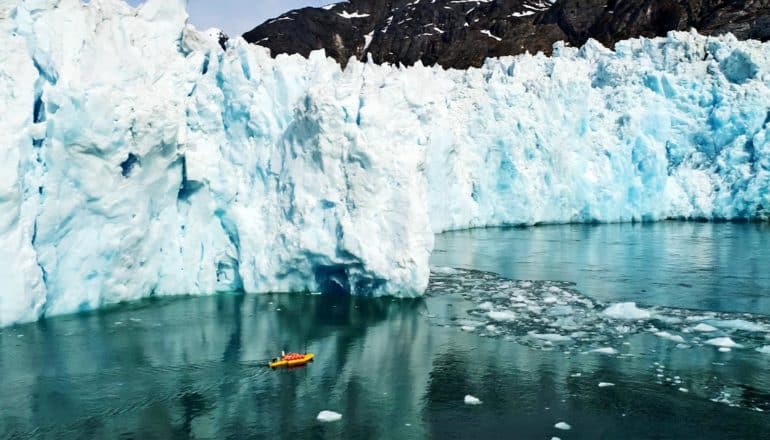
(194, 367)
(706, 266)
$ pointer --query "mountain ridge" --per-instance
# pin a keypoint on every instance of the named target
(461, 34)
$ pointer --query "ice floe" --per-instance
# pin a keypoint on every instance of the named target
(724, 342)
(471, 400)
(627, 311)
(328, 416)
(543, 314)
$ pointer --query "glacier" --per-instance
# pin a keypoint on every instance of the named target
(139, 158)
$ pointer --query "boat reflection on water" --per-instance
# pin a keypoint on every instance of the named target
(196, 367)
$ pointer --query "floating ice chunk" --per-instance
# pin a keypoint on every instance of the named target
(551, 337)
(668, 319)
(566, 323)
(486, 306)
(704, 328)
(700, 317)
(444, 271)
(502, 315)
(470, 400)
(739, 324)
(534, 309)
(555, 438)
(564, 310)
(328, 416)
(684, 390)
(606, 384)
(627, 311)
(724, 342)
(468, 328)
(604, 350)
(764, 350)
(563, 426)
(670, 337)
(622, 329)
(725, 349)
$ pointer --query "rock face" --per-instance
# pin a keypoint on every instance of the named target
(461, 34)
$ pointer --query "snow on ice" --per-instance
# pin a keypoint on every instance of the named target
(138, 158)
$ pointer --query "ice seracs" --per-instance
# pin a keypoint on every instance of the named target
(180, 168)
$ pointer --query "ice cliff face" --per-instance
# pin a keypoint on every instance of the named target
(140, 159)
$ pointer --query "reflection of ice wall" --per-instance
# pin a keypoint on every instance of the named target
(141, 159)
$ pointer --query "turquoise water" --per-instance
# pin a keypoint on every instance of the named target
(195, 367)
(707, 266)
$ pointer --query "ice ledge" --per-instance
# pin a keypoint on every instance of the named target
(179, 168)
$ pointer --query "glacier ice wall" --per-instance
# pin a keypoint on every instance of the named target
(140, 159)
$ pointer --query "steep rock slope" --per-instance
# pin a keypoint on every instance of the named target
(460, 34)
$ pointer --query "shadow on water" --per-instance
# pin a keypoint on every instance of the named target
(196, 367)
(187, 367)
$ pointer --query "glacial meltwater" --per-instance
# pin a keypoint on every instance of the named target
(576, 331)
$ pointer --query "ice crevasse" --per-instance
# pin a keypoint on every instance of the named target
(138, 158)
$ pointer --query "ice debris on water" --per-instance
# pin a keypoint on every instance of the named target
(670, 337)
(605, 350)
(704, 328)
(563, 426)
(627, 311)
(606, 384)
(471, 400)
(723, 342)
(502, 315)
(328, 416)
(544, 314)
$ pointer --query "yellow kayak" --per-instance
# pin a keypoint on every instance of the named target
(292, 360)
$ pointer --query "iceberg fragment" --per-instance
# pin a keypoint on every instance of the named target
(471, 400)
(328, 416)
(627, 311)
(724, 342)
(502, 315)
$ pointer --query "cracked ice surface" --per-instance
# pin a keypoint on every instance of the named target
(140, 159)
(549, 314)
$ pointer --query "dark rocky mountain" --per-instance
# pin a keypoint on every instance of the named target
(461, 33)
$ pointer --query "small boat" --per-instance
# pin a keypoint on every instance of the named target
(292, 360)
